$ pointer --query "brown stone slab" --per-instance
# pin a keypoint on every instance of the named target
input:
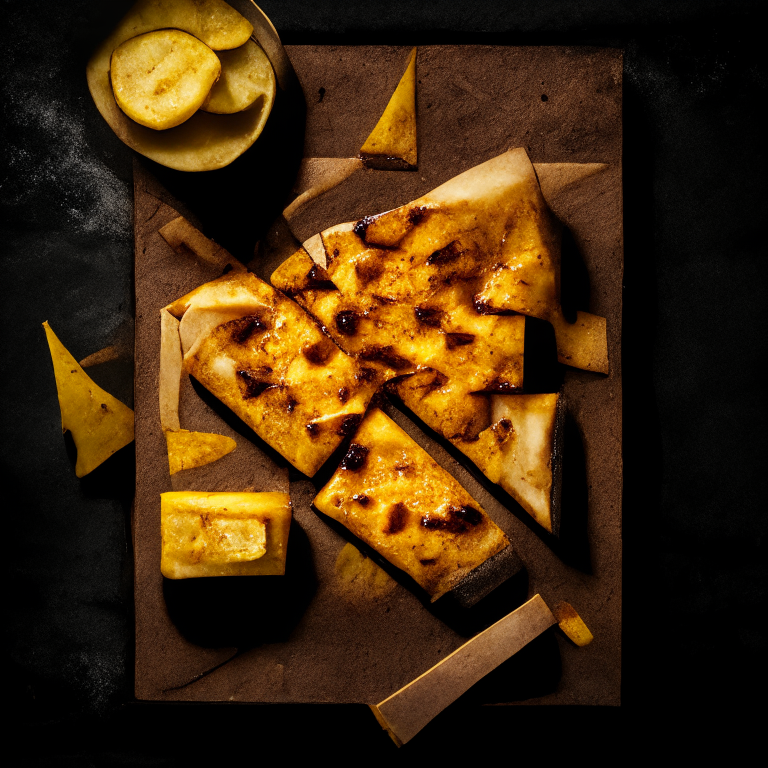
(473, 102)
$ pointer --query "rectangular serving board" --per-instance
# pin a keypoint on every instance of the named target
(356, 645)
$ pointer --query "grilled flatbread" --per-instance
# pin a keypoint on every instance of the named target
(409, 292)
(265, 358)
(393, 496)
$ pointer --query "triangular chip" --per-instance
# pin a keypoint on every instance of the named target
(100, 424)
(392, 143)
(187, 450)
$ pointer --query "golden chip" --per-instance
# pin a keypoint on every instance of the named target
(100, 424)
(187, 450)
(394, 137)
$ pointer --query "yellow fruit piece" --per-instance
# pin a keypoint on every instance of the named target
(100, 424)
(205, 142)
(572, 624)
(223, 534)
(160, 79)
(187, 450)
(214, 22)
(394, 137)
(246, 75)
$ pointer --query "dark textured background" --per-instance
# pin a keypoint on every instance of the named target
(695, 206)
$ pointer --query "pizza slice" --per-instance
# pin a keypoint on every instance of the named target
(394, 497)
(493, 221)
(382, 309)
(515, 440)
(443, 359)
(266, 359)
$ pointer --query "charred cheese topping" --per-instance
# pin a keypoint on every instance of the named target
(393, 496)
(265, 358)
(433, 295)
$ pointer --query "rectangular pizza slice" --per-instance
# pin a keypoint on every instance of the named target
(391, 494)
(266, 359)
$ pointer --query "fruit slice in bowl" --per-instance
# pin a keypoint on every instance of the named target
(204, 141)
(160, 79)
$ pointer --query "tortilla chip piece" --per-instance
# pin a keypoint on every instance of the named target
(223, 534)
(392, 143)
(391, 494)
(100, 424)
(187, 450)
(572, 624)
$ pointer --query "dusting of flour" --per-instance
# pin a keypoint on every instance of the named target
(49, 162)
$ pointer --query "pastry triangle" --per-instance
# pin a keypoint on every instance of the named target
(187, 450)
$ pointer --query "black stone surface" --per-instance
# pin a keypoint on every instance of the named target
(694, 522)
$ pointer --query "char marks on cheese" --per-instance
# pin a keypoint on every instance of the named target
(434, 295)
(393, 496)
(275, 369)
